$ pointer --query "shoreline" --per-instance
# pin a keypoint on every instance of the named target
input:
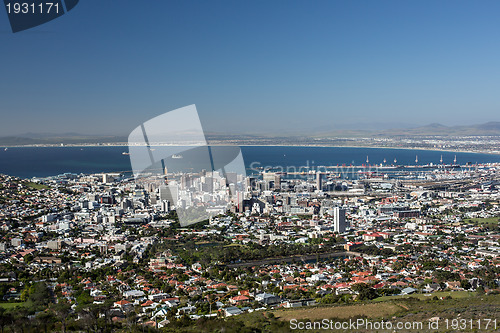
(262, 145)
(379, 147)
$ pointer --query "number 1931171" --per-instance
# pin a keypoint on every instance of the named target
(469, 324)
(31, 8)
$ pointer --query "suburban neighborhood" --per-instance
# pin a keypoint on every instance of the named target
(102, 249)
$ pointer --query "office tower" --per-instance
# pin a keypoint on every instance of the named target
(251, 183)
(106, 178)
(272, 180)
(231, 178)
(339, 221)
(319, 181)
(186, 181)
(165, 206)
(174, 192)
(169, 192)
(207, 184)
(164, 193)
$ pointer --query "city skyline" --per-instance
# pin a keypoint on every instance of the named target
(264, 166)
(277, 68)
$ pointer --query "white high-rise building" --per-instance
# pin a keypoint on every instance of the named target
(165, 206)
(164, 193)
(339, 221)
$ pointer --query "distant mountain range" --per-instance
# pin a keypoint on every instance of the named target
(490, 128)
(434, 129)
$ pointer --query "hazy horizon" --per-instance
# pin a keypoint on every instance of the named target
(254, 67)
(369, 128)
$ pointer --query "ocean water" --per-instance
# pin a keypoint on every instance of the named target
(27, 162)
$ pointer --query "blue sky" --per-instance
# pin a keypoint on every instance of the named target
(276, 66)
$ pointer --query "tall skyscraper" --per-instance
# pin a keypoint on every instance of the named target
(231, 178)
(170, 193)
(251, 183)
(272, 180)
(339, 221)
(319, 181)
(164, 193)
(165, 206)
(186, 181)
(207, 184)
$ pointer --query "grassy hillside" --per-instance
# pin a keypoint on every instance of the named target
(406, 310)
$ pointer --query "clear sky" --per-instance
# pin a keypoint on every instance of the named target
(276, 66)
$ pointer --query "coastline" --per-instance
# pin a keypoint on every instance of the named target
(120, 144)
(381, 147)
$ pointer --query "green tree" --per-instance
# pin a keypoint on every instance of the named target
(365, 292)
(62, 311)
(6, 318)
(44, 319)
(39, 295)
